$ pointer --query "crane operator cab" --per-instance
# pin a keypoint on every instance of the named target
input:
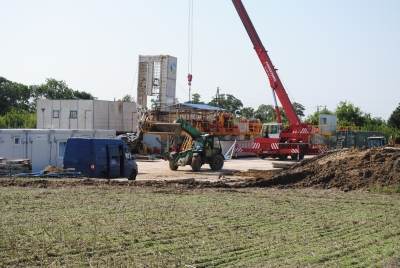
(271, 130)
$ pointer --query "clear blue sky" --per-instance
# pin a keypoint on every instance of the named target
(326, 51)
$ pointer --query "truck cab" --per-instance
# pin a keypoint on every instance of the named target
(100, 158)
(271, 130)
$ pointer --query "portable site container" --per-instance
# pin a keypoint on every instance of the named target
(327, 124)
(355, 139)
(42, 146)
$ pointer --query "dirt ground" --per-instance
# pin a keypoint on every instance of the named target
(159, 170)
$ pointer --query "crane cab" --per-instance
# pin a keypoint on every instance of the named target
(271, 130)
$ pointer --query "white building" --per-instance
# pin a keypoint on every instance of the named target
(42, 146)
(87, 114)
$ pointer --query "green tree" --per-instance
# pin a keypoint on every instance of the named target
(228, 102)
(18, 119)
(58, 89)
(13, 95)
(247, 112)
(394, 119)
(299, 109)
(196, 98)
(127, 98)
(348, 114)
(83, 95)
(265, 113)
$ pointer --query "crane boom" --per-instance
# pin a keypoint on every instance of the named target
(269, 68)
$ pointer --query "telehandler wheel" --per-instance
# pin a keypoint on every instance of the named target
(217, 162)
(196, 163)
(294, 157)
(172, 165)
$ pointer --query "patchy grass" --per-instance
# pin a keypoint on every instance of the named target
(393, 189)
(150, 227)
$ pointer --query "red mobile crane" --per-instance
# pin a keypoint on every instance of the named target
(294, 140)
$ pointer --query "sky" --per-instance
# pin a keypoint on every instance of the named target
(326, 51)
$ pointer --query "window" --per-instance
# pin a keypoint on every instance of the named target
(73, 114)
(56, 113)
(17, 140)
(324, 121)
(61, 149)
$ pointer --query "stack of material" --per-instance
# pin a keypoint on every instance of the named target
(52, 172)
(10, 167)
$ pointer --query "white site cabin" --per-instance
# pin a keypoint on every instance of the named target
(42, 146)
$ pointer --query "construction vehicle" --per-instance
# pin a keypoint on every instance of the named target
(100, 158)
(276, 140)
(195, 148)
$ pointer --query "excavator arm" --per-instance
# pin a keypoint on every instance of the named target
(269, 68)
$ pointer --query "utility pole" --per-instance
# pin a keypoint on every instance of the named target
(217, 97)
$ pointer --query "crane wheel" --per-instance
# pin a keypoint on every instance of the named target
(217, 162)
(282, 157)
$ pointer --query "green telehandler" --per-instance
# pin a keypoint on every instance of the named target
(195, 148)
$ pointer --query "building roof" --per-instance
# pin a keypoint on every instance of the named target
(200, 106)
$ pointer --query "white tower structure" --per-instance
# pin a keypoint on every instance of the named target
(157, 78)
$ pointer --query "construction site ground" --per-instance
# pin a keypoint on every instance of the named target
(159, 170)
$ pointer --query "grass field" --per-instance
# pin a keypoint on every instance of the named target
(150, 227)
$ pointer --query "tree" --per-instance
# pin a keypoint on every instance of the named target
(265, 113)
(127, 98)
(13, 95)
(18, 119)
(299, 109)
(58, 89)
(349, 114)
(196, 98)
(228, 102)
(394, 119)
(247, 112)
(83, 95)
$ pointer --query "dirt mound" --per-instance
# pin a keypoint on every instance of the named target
(345, 169)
